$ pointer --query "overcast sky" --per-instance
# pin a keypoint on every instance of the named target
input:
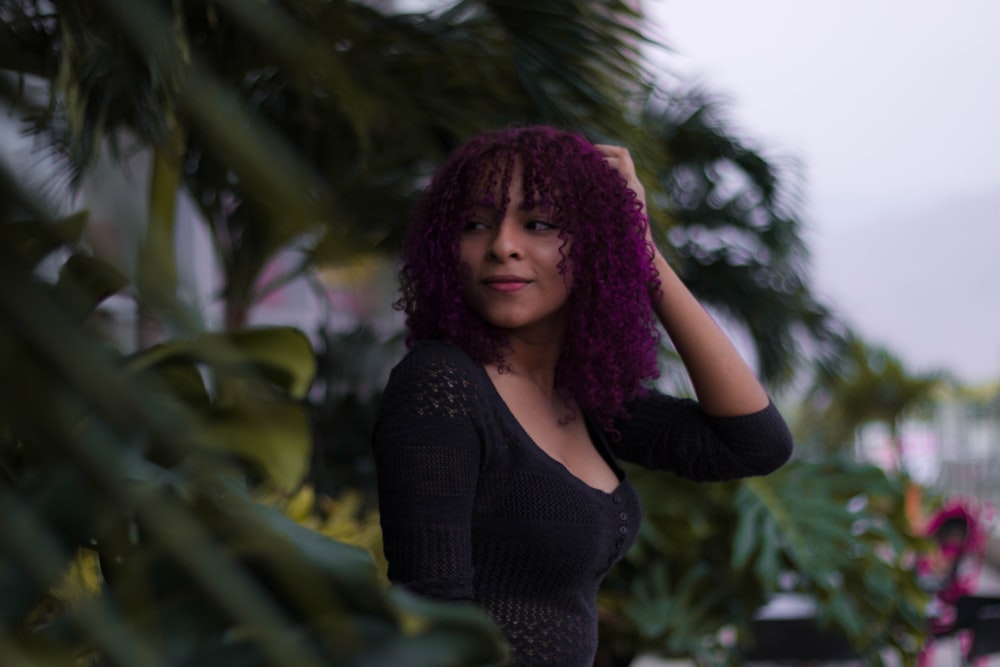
(893, 107)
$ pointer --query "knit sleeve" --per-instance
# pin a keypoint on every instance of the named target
(427, 446)
(668, 433)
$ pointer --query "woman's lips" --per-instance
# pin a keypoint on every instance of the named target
(506, 283)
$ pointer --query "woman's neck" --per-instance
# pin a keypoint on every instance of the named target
(533, 361)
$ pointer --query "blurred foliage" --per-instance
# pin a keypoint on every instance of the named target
(144, 461)
(869, 384)
(345, 518)
(352, 368)
(351, 109)
(709, 556)
(737, 233)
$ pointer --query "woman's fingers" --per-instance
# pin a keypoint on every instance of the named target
(618, 157)
(621, 160)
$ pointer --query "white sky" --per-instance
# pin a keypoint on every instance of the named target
(893, 107)
(882, 98)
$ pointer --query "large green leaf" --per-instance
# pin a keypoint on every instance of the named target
(840, 547)
(274, 440)
(283, 356)
(181, 379)
(195, 573)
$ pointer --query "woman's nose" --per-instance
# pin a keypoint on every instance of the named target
(505, 242)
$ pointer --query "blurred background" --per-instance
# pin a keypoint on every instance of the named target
(201, 201)
(889, 108)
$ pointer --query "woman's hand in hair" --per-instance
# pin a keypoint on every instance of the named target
(619, 158)
(724, 383)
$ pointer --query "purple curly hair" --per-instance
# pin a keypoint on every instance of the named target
(611, 336)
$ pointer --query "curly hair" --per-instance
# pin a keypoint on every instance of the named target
(611, 337)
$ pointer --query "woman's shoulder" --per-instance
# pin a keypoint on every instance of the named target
(435, 377)
(437, 353)
(436, 363)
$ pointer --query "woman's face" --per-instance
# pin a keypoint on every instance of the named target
(512, 278)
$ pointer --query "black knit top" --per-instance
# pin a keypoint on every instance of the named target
(472, 509)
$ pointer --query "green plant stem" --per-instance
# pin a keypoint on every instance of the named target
(157, 265)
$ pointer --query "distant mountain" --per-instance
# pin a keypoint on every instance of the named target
(925, 282)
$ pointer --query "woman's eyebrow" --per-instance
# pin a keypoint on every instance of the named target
(483, 211)
(536, 211)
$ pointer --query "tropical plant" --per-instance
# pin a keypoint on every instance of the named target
(709, 556)
(339, 96)
(347, 518)
(352, 368)
(144, 461)
(870, 384)
(735, 225)
(356, 106)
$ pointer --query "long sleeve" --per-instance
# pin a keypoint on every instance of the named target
(427, 447)
(667, 433)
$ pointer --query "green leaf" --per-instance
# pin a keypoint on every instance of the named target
(745, 541)
(275, 440)
(281, 355)
(84, 282)
(181, 379)
(32, 240)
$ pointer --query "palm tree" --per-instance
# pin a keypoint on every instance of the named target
(870, 385)
(351, 106)
(734, 219)
(357, 107)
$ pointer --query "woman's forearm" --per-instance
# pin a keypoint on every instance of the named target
(724, 383)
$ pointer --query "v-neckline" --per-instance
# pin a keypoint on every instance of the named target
(596, 436)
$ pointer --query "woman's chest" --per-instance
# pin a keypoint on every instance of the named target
(528, 501)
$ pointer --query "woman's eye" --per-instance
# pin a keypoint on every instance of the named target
(474, 224)
(539, 226)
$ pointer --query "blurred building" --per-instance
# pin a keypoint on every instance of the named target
(968, 430)
(956, 451)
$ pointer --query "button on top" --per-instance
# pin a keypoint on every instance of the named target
(617, 499)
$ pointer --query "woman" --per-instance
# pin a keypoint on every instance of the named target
(532, 290)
